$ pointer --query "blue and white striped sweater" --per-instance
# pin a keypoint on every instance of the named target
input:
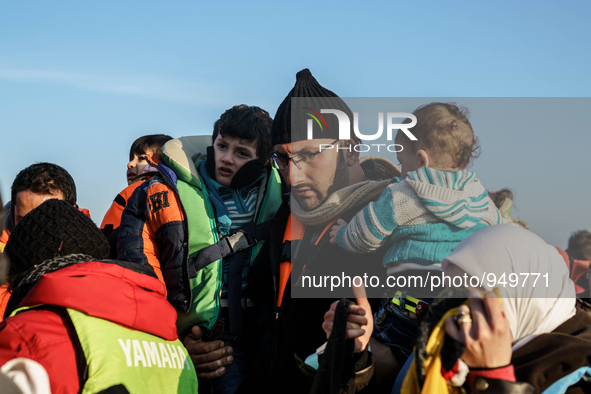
(423, 216)
(234, 208)
(241, 208)
(241, 205)
(455, 197)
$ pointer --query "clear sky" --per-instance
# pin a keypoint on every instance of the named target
(79, 81)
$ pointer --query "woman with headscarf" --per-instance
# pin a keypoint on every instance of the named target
(534, 340)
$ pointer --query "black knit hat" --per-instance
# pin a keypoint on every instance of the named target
(317, 97)
(54, 228)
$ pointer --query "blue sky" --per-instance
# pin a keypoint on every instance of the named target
(79, 81)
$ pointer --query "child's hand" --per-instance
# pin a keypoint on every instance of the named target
(335, 229)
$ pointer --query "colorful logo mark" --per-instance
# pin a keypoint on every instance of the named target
(315, 116)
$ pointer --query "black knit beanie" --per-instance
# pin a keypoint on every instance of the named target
(54, 228)
(317, 97)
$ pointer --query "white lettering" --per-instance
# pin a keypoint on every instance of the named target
(310, 128)
(402, 126)
(138, 354)
(368, 137)
(395, 148)
(152, 355)
(174, 355)
(344, 123)
(358, 148)
(164, 356)
(126, 349)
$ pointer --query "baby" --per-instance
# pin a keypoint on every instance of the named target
(436, 203)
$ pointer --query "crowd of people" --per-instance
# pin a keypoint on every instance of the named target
(196, 279)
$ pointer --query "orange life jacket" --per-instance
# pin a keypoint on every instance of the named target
(294, 231)
(285, 266)
(112, 218)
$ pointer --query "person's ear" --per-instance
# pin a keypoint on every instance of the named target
(423, 158)
(351, 155)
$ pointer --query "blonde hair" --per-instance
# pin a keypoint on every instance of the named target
(445, 131)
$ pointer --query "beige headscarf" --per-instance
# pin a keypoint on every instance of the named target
(505, 250)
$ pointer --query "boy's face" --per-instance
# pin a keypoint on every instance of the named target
(136, 166)
(230, 155)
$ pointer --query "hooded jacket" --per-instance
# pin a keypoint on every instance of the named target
(423, 217)
(109, 290)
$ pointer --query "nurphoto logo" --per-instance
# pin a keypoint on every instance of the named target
(345, 128)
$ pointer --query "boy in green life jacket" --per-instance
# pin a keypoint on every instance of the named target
(202, 220)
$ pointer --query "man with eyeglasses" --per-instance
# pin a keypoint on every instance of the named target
(281, 157)
(327, 181)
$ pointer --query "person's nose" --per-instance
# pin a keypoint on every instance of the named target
(131, 164)
(228, 158)
(296, 176)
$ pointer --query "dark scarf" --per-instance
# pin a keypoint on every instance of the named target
(25, 282)
(29, 279)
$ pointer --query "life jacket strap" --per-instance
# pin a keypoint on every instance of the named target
(245, 237)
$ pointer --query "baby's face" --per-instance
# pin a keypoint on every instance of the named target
(136, 166)
(230, 155)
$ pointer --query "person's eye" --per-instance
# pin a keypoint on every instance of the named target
(281, 160)
(142, 158)
(221, 145)
(307, 157)
(243, 153)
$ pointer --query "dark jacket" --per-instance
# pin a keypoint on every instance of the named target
(546, 359)
(550, 357)
(112, 219)
(139, 242)
(296, 326)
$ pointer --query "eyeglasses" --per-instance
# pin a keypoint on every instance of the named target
(282, 161)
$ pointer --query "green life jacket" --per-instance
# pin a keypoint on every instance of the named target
(182, 155)
(142, 362)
